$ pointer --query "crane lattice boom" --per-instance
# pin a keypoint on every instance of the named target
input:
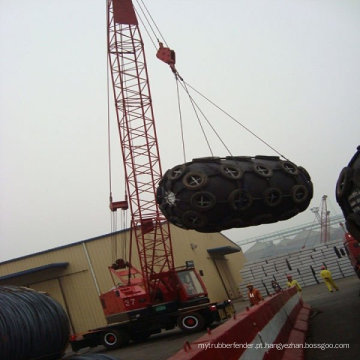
(138, 140)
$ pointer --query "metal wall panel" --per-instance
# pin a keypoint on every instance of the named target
(74, 255)
(83, 302)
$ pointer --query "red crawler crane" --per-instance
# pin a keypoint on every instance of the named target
(159, 296)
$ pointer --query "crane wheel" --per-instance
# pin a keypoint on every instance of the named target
(190, 323)
(114, 338)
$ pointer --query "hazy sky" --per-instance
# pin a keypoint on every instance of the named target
(287, 69)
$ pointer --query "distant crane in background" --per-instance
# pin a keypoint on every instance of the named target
(323, 217)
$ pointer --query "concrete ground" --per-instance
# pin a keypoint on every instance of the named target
(335, 320)
(157, 347)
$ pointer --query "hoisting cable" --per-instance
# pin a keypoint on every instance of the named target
(109, 138)
(147, 31)
(177, 76)
(181, 120)
(186, 85)
(198, 118)
(113, 214)
(152, 20)
(124, 235)
(195, 106)
(113, 239)
(238, 122)
(205, 117)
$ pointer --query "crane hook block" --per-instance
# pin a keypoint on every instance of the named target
(348, 194)
(214, 194)
(114, 205)
(166, 55)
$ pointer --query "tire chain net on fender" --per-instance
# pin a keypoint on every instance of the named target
(348, 194)
(214, 194)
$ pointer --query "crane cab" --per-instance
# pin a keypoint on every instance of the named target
(191, 288)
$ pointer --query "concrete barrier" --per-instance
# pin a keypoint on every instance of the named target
(274, 329)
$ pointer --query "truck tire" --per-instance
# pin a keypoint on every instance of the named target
(113, 338)
(190, 323)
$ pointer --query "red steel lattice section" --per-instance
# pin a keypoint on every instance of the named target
(138, 140)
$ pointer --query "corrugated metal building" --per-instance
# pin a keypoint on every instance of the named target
(75, 274)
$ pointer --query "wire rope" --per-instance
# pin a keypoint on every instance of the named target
(32, 325)
(142, 6)
(113, 214)
(153, 21)
(199, 121)
(146, 19)
(146, 30)
(238, 122)
(181, 121)
(112, 217)
(124, 237)
(208, 121)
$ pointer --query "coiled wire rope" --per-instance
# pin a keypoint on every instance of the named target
(32, 325)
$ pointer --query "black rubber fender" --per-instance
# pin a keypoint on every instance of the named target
(347, 193)
(214, 194)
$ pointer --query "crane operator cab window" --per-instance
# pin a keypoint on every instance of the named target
(190, 283)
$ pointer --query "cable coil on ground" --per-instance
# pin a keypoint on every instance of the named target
(32, 325)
